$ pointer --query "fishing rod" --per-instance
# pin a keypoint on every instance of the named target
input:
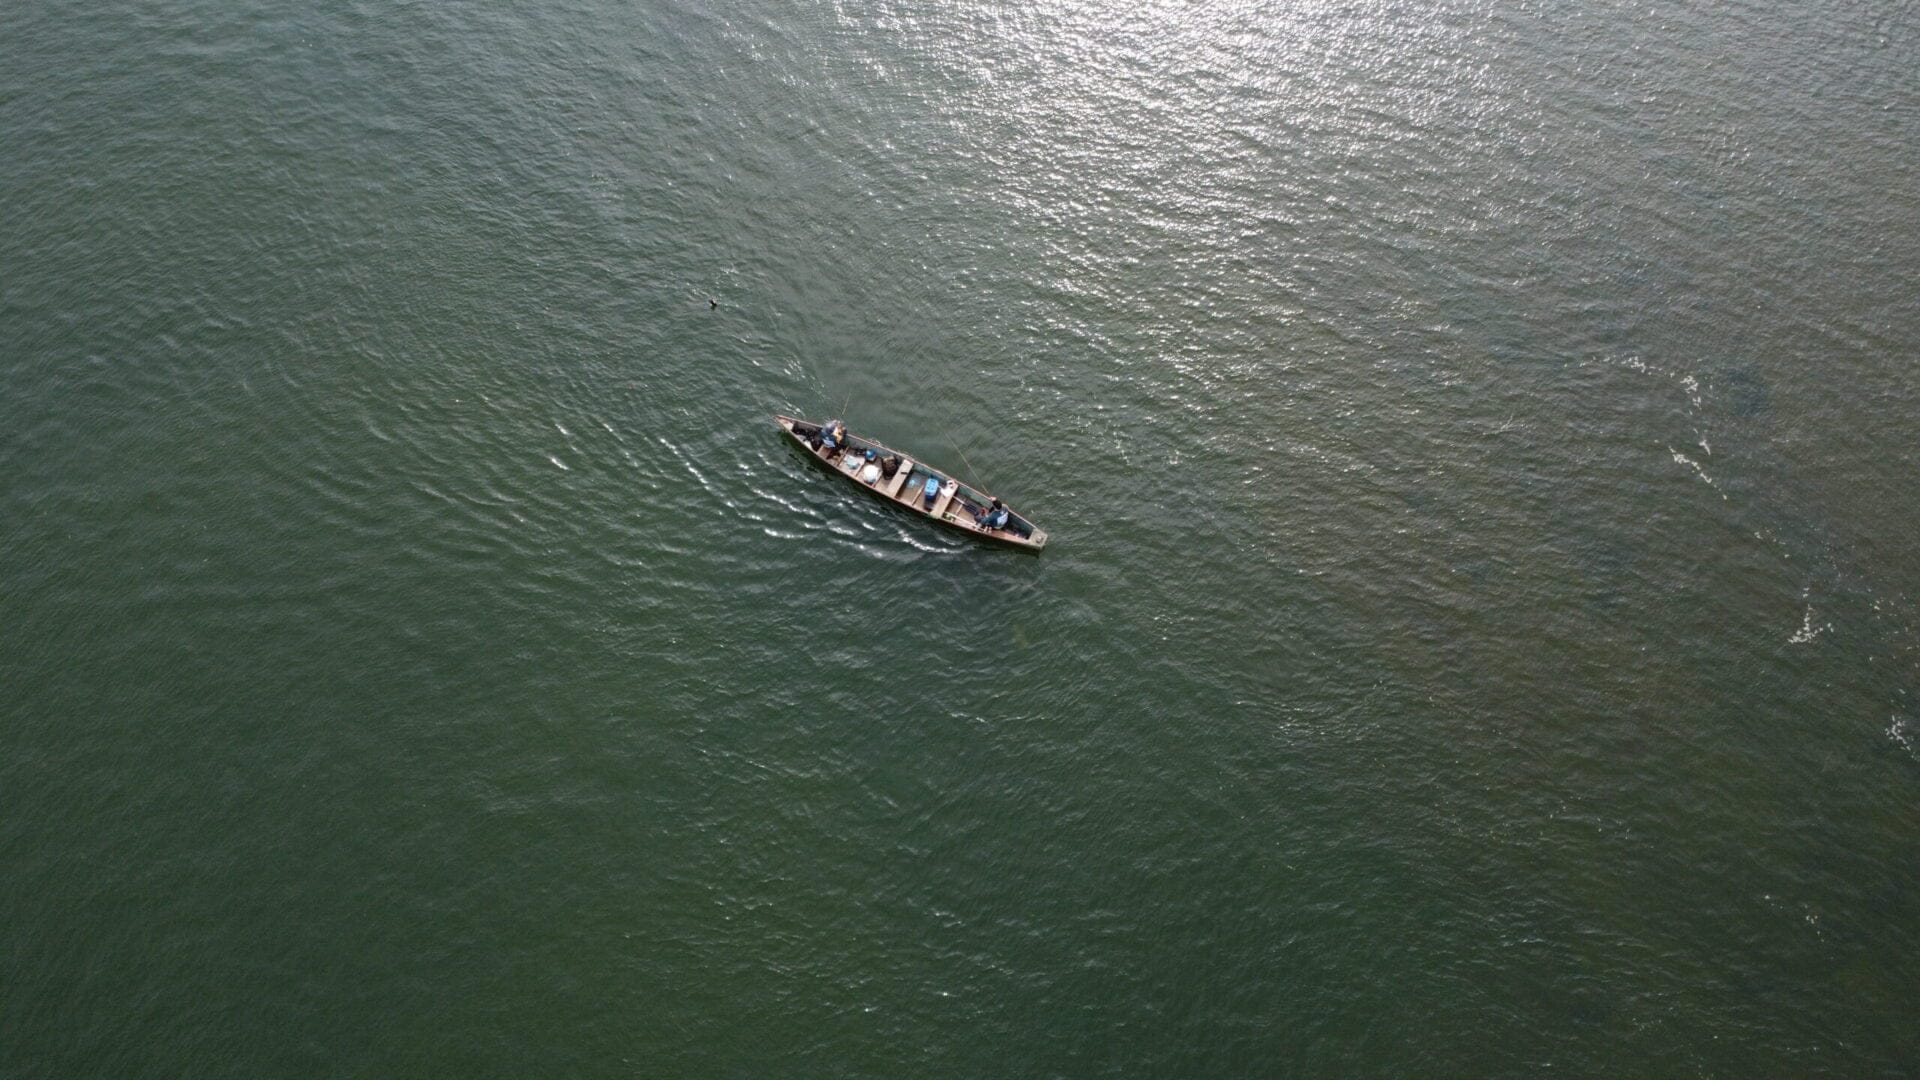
(972, 475)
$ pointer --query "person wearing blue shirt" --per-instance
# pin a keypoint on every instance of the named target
(833, 436)
(995, 517)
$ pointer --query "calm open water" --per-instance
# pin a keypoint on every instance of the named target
(1479, 636)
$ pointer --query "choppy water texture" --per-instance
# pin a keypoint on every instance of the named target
(1478, 636)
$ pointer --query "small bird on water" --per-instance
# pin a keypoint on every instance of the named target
(712, 304)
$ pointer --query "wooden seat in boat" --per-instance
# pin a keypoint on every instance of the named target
(899, 479)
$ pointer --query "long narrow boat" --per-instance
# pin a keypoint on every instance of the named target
(925, 491)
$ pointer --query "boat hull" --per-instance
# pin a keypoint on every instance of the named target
(949, 509)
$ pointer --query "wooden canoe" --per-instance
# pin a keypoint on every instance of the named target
(951, 502)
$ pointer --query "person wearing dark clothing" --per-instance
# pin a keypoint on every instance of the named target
(995, 516)
(833, 436)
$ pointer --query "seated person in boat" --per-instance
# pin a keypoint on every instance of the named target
(833, 436)
(995, 516)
